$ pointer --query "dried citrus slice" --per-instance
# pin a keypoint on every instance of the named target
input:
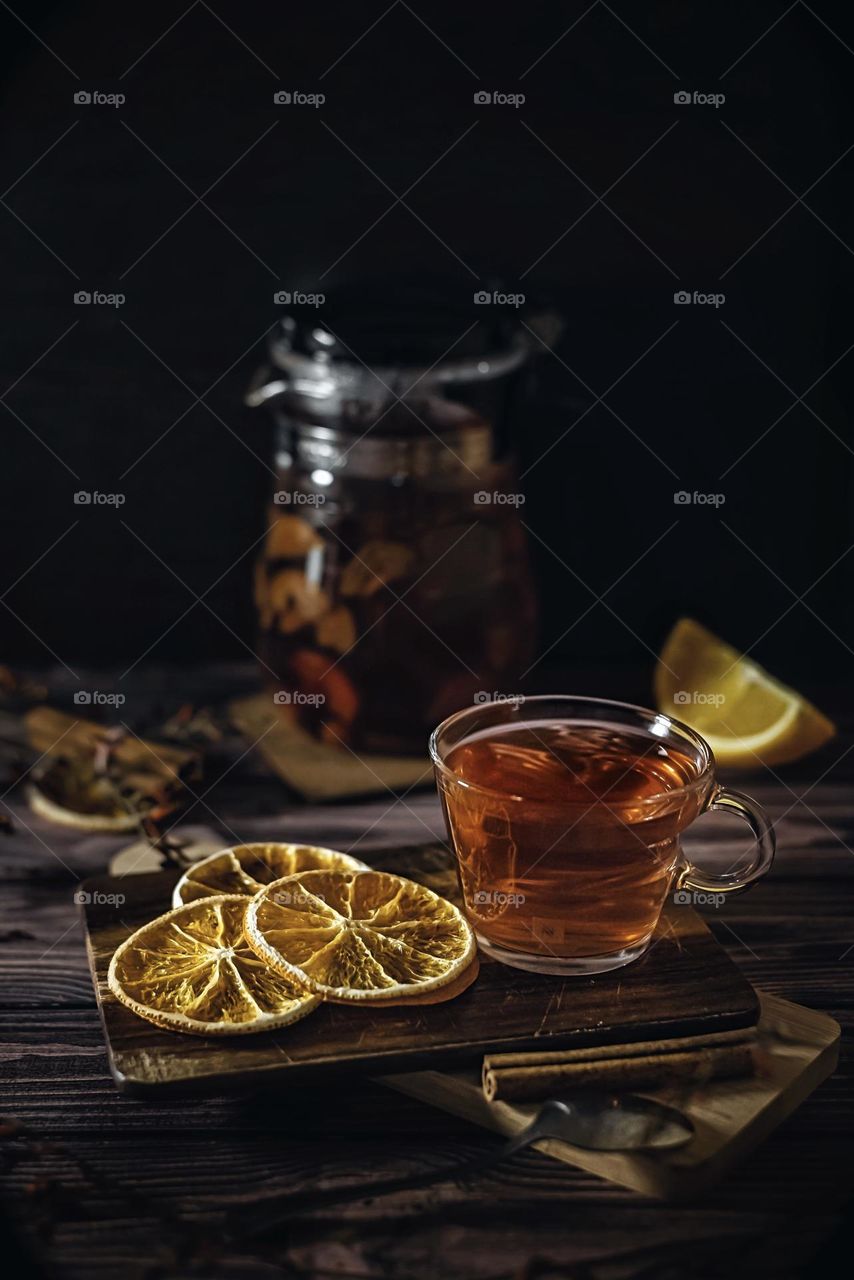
(193, 970)
(360, 935)
(103, 812)
(746, 716)
(248, 867)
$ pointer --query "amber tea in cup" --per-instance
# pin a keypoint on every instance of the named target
(565, 815)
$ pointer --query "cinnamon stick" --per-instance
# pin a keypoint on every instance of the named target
(646, 1064)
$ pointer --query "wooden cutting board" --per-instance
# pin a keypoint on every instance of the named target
(684, 985)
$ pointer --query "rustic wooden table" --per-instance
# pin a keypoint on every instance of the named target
(97, 1185)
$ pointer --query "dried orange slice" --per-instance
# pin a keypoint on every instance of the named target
(359, 935)
(101, 810)
(193, 970)
(248, 867)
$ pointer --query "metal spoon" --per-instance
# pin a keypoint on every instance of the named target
(594, 1121)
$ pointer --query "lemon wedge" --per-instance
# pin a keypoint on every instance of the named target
(746, 716)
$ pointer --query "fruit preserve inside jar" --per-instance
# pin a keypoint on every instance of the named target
(393, 585)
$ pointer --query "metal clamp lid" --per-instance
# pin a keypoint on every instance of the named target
(314, 365)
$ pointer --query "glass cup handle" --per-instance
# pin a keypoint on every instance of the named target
(691, 877)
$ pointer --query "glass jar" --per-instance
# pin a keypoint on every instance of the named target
(393, 586)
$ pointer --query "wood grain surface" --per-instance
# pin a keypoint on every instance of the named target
(97, 1185)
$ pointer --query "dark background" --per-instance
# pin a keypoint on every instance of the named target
(113, 399)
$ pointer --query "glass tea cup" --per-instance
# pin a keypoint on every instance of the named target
(565, 815)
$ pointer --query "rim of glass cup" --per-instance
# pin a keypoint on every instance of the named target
(704, 775)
